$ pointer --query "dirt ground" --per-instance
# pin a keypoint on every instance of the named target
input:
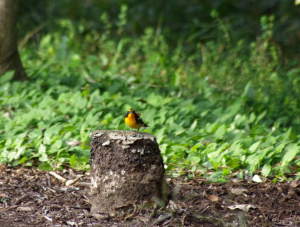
(29, 197)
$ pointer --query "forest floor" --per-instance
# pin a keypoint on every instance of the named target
(30, 197)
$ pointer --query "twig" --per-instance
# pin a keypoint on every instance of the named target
(29, 35)
(58, 176)
(182, 222)
(83, 184)
(71, 182)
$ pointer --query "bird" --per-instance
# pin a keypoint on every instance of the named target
(133, 120)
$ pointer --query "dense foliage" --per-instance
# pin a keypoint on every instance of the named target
(220, 98)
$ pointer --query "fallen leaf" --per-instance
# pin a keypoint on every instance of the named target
(294, 184)
(238, 191)
(212, 198)
(72, 223)
(101, 216)
(26, 209)
(141, 218)
(173, 205)
(236, 180)
(256, 179)
(6, 115)
(203, 205)
(73, 143)
(244, 207)
(235, 173)
(162, 218)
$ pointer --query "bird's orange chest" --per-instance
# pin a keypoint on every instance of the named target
(131, 121)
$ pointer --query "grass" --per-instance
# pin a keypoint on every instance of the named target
(223, 109)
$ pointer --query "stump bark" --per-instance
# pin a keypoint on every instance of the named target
(127, 170)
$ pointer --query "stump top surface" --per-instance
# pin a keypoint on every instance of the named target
(122, 135)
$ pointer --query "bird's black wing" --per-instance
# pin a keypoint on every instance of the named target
(139, 120)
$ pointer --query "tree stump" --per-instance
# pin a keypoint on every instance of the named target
(127, 170)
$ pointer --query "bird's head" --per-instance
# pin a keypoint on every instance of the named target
(129, 111)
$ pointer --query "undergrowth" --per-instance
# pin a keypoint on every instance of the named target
(227, 108)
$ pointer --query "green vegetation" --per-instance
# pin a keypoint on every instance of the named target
(227, 106)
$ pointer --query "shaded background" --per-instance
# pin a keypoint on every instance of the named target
(177, 19)
(225, 39)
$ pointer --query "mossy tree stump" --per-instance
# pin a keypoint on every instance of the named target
(127, 170)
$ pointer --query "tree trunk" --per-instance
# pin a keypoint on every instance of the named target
(127, 172)
(9, 55)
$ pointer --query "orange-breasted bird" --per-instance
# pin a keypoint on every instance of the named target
(133, 120)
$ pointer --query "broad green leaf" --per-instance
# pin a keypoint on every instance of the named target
(286, 135)
(215, 176)
(6, 77)
(220, 131)
(252, 118)
(240, 175)
(194, 159)
(163, 148)
(226, 172)
(247, 90)
(222, 180)
(266, 170)
(194, 125)
(290, 155)
(254, 146)
(43, 158)
(235, 149)
(193, 169)
(73, 161)
(42, 149)
(155, 100)
(178, 148)
(210, 127)
(261, 116)
(194, 148)
(57, 144)
(180, 132)
(22, 160)
(45, 167)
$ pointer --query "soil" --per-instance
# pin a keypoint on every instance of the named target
(30, 197)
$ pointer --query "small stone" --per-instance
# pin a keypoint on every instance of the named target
(106, 143)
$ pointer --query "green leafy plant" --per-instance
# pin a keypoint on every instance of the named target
(216, 118)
